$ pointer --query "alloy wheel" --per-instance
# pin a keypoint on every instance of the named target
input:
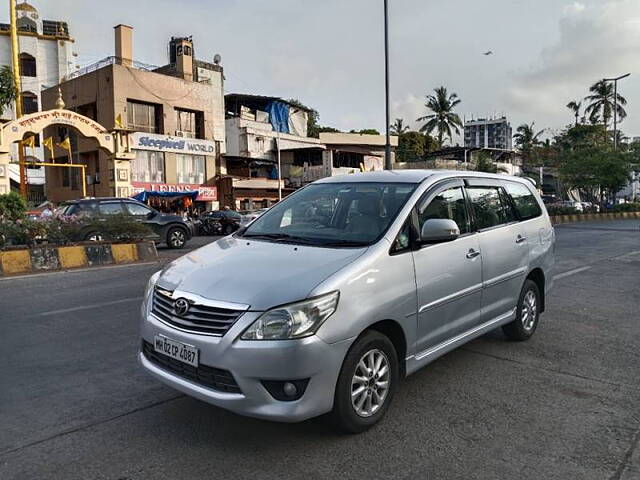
(370, 383)
(176, 237)
(529, 310)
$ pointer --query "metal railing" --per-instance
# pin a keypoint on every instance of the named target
(112, 60)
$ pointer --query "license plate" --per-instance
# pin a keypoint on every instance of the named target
(178, 350)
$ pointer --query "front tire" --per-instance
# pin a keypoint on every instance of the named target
(176, 238)
(527, 313)
(366, 383)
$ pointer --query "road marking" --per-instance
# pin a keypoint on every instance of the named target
(570, 272)
(88, 307)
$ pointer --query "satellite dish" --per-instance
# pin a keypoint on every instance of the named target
(217, 59)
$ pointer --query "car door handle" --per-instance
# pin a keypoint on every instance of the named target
(520, 239)
(472, 253)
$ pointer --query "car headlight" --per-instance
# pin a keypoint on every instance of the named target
(148, 290)
(295, 320)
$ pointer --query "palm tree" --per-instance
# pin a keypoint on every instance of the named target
(398, 127)
(526, 140)
(574, 106)
(602, 103)
(443, 118)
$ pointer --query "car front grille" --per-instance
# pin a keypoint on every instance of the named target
(211, 377)
(200, 318)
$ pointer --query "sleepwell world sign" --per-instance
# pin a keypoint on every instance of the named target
(167, 143)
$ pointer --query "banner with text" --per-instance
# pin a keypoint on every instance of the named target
(167, 143)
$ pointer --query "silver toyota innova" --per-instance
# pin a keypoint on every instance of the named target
(329, 298)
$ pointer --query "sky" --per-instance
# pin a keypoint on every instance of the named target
(329, 53)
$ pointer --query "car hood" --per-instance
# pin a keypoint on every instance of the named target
(256, 273)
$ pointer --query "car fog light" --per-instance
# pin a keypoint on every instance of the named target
(290, 389)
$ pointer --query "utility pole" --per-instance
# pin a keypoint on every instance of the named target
(387, 148)
(15, 64)
(615, 107)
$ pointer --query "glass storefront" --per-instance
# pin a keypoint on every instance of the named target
(190, 168)
(148, 166)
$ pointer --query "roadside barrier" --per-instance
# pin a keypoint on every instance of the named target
(43, 258)
(588, 217)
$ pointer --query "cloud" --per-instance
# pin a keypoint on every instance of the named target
(595, 42)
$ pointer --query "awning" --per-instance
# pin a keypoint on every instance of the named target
(144, 195)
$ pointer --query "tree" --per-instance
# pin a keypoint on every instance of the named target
(12, 207)
(366, 131)
(484, 163)
(527, 140)
(574, 106)
(398, 127)
(8, 92)
(443, 119)
(602, 103)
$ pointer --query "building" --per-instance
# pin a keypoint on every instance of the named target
(343, 153)
(175, 114)
(488, 133)
(46, 57)
(258, 129)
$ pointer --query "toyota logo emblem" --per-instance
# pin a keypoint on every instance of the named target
(181, 307)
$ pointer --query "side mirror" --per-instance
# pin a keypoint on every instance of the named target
(436, 230)
(151, 214)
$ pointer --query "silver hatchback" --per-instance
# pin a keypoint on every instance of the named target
(332, 296)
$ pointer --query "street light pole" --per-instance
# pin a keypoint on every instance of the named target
(387, 149)
(615, 107)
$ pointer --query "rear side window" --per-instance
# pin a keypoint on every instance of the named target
(524, 201)
(489, 207)
(112, 208)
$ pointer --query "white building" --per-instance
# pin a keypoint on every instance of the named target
(46, 57)
(488, 133)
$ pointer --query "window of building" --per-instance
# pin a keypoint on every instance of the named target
(144, 117)
(190, 168)
(489, 206)
(88, 110)
(27, 65)
(308, 156)
(25, 24)
(450, 204)
(148, 166)
(347, 159)
(29, 103)
(190, 123)
(524, 201)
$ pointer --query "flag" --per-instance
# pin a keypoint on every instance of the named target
(118, 121)
(29, 142)
(66, 144)
(48, 142)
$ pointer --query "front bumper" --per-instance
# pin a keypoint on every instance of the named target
(252, 361)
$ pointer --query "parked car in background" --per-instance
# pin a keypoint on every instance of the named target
(220, 222)
(577, 206)
(250, 216)
(589, 207)
(173, 230)
(327, 300)
(548, 199)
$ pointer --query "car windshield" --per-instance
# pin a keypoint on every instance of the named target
(333, 214)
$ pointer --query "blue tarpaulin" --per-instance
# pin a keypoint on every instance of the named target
(143, 196)
(278, 116)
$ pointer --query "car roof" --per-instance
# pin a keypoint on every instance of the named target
(414, 176)
(101, 199)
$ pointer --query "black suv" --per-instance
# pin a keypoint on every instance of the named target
(171, 229)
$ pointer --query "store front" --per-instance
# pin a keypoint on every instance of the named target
(174, 164)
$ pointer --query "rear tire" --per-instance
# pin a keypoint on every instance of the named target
(366, 383)
(94, 237)
(527, 313)
(176, 238)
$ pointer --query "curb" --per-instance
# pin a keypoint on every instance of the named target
(588, 217)
(46, 258)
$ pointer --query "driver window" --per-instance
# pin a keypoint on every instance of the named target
(449, 203)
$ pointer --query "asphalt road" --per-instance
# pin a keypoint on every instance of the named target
(75, 405)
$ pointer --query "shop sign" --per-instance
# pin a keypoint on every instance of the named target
(167, 143)
(206, 193)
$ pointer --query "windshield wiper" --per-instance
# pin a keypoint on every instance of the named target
(343, 243)
(280, 237)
